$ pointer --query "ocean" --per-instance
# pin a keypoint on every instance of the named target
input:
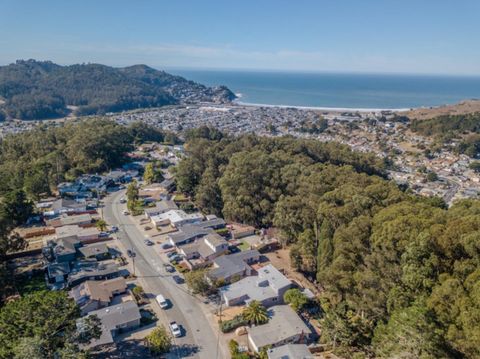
(336, 90)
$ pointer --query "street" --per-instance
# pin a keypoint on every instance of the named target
(200, 340)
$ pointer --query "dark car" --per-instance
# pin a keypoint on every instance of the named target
(169, 268)
(131, 253)
(178, 279)
(166, 246)
(148, 242)
(171, 254)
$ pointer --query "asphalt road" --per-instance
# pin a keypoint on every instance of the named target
(199, 339)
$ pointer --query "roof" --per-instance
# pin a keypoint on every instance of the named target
(177, 216)
(215, 239)
(75, 231)
(232, 264)
(56, 269)
(162, 206)
(89, 268)
(81, 218)
(284, 323)
(114, 316)
(98, 290)
(94, 249)
(265, 285)
(290, 351)
(66, 246)
(189, 232)
(66, 203)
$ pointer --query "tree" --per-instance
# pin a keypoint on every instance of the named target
(149, 175)
(475, 166)
(295, 298)
(132, 195)
(45, 322)
(101, 225)
(255, 313)
(197, 281)
(432, 177)
(159, 341)
(17, 207)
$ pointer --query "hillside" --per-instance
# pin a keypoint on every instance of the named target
(41, 89)
(461, 108)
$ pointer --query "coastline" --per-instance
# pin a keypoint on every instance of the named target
(327, 109)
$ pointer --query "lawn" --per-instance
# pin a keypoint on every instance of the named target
(243, 246)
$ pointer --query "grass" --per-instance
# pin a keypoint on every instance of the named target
(243, 246)
(27, 285)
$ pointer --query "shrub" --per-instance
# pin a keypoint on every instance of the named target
(232, 324)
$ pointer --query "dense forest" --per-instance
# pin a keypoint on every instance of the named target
(466, 128)
(38, 90)
(399, 274)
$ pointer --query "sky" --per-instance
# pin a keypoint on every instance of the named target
(407, 36)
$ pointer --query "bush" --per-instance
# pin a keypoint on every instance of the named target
(232, 324)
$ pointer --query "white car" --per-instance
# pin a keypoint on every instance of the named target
(175, 329)
(126, 213)
(123, 200)
(162, 302)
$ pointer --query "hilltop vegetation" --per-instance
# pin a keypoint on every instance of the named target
(445, 128)
(36, 161)
(400, 274)
(37, 90)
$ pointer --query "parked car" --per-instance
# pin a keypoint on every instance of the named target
(123, 200)
(125, 213)
(162, 302)
(171, 254)
(176, 259)
(147, 228)
(178, 279)
(166, 246)
(131, 253)
(103, 234)
(175, 329)
(114, 229)
(148, 242)
(169, 268)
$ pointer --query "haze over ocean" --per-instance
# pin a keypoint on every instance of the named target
(336, 90)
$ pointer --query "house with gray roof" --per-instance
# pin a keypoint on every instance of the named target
(187, 234)
(268, 287)
(160, 207)
(115, 319)
(92, 270)
(284, 327)
(201, 252)
(290, 351)
(233, 266)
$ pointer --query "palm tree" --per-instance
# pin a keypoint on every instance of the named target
(101, 225)
(255, 313)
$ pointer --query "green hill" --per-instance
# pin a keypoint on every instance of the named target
(41, 89)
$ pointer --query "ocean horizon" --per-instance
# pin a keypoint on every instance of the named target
(339, 90)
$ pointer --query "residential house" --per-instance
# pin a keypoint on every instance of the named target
(284, 327)
(92, 295)
(160, 208)
(233, 266)
(201, 252)
(98, 251)
(57, 273)
(187, 234)
(176, 218)
(290, 351)
(64, 205)
(83, 234)
(115, 319)
(268, 287)
(83, 220)
(84, 270)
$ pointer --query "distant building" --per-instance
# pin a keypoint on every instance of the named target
(176, 218)
(160, 208)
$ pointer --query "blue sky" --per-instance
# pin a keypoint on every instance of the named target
(412, 36)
